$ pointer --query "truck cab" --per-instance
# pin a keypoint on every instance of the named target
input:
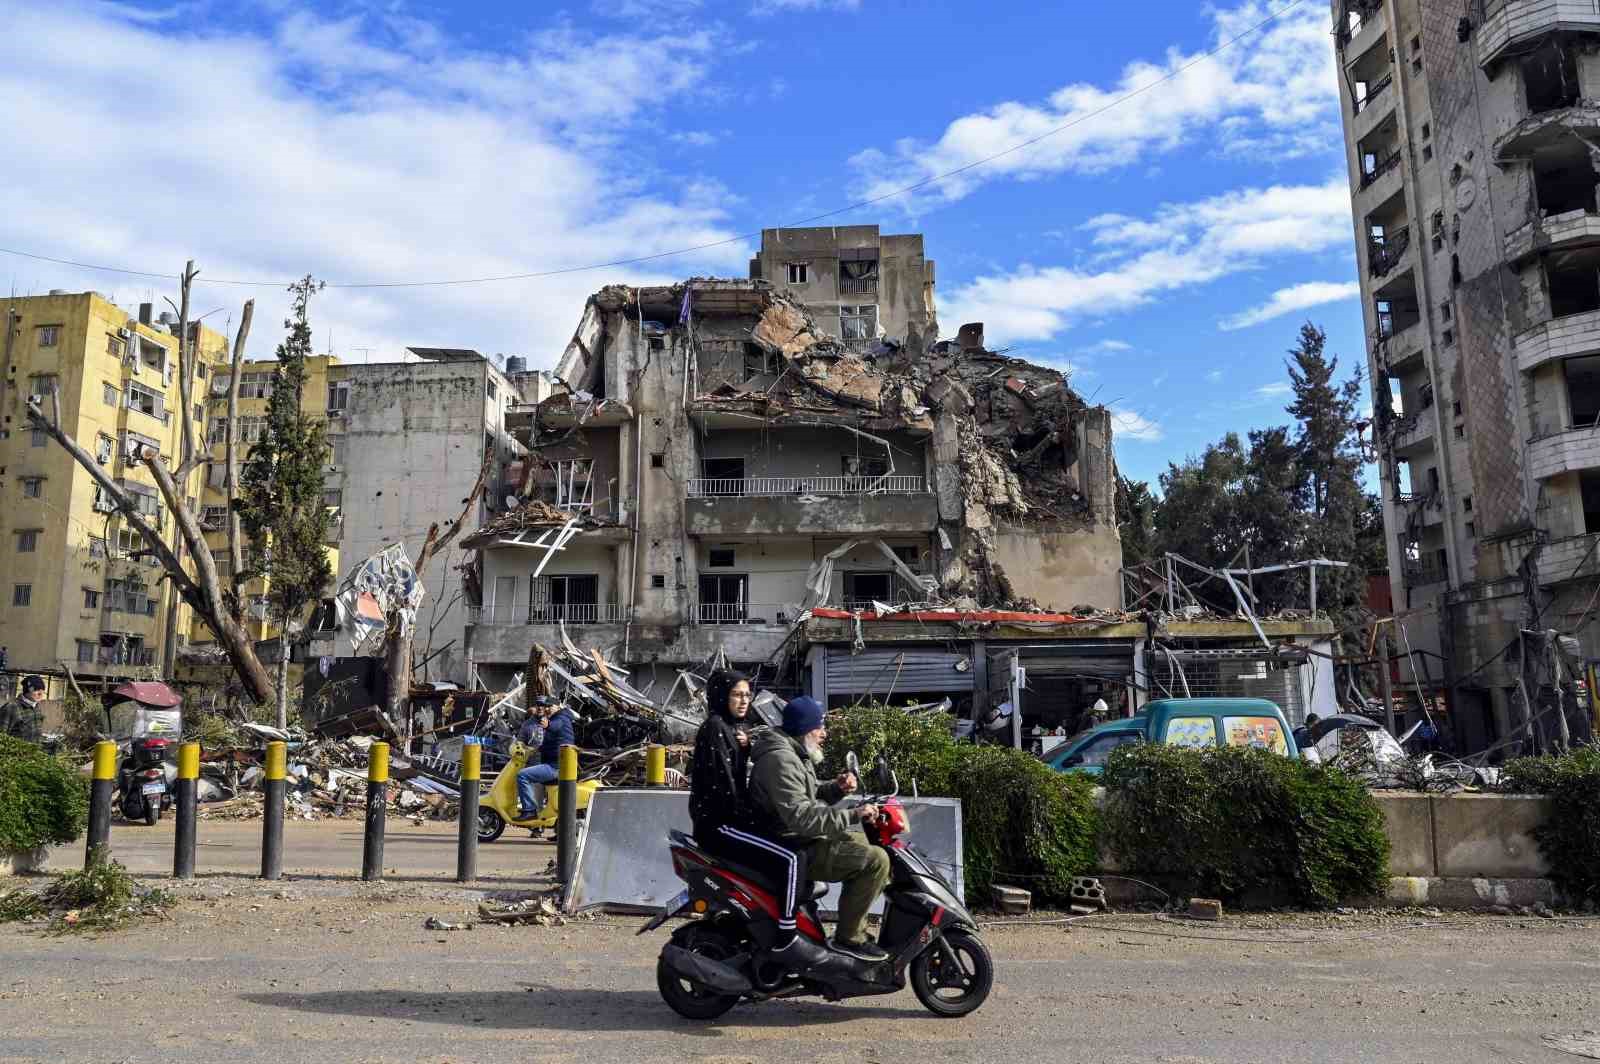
(1190, 722)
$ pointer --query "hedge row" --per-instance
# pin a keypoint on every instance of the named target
(43, 800)
(1226, 823)
(1570, 839)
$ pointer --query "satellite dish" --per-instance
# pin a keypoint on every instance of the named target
(512, 502)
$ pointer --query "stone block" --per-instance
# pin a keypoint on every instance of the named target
(1408, 821)
(1488, 836)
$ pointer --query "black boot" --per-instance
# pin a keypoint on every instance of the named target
(799, 954)
(865, 950)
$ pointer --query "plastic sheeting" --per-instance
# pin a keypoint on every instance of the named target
(624, 861)
(384, 584)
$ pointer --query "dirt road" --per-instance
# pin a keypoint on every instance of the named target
(315, 970)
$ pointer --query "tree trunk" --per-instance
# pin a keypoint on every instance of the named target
(231, 482)
(397, 670)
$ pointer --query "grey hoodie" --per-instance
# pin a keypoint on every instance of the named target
(785, 793)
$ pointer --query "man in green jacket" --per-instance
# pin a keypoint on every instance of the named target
(21, 718)
(794, 810)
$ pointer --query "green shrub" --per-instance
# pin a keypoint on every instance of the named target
(1570, 839)
(102, 897)
(1021, 822)
(1235, 822)
(43, 800)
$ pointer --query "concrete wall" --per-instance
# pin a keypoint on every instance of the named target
(1060, 570)
(904, 295)
(817, 452)
(838, 514)
(1464, 836)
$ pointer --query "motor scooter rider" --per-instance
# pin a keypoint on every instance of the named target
(797, 812)
(725, 823)
(530, 781)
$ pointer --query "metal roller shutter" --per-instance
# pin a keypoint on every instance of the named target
(923, 669)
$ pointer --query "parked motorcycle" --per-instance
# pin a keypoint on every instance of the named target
(142, 781)
(719, 955)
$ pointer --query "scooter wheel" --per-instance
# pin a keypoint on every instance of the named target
(491, 825)
(957, 990)
(686, 997)
(152, 811)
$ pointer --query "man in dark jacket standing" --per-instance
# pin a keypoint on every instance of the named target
(531, 780)
(21, 718)
(802, 814)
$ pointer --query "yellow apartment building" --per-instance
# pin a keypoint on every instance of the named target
(77, 587)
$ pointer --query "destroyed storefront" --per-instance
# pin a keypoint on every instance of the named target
(712, 465)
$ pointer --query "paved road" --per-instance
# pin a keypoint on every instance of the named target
(340, 972)
(319, 847)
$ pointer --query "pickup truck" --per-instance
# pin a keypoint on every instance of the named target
(1192, 722)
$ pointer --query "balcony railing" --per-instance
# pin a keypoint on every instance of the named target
(858, 286)
(114, 656)
(577, 613)
(1374, 90)
(1381, 167)
(728, 613)
(774, 487)
(1383, 255)
(1421, 574)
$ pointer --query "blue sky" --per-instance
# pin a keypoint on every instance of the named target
(1166, 249)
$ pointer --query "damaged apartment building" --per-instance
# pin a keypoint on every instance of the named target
(724, 464)
(1472, 130)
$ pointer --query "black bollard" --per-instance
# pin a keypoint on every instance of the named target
(188, 782)
(100, 798)
(272, 811)
(467, 819)
(567, 814)
(377, 812)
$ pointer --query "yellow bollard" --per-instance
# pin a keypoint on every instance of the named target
(274, 785)
(655, 766)
(377, 811)
(183, 837)
(100, 798)
(566, 813)
(467, 818)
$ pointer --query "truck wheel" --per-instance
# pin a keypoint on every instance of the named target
(953, 990)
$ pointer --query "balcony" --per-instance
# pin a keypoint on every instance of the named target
(572, 613)
(1509, 23)
(135, 656)
(1414, 432)
(502, 635)
(1564, 452)
(1400, 350)
(858, 286)
(1548, 128)
(1572, 558)
(1360, 38)
(802, 506)
(727, 614)
(1384, 255)
(1552, 232)
(1574, 334)
(1387, 164)
(1422, 574)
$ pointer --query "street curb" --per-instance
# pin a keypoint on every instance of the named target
(1452, 892)
(16, 864)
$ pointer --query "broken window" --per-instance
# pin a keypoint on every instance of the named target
(574, 599)
(1564, 179)
(862, 589)
(858, 271)
(104, 447)
(214, 516)
(860, 471)
(252, 429)
(153, 355)
(574, 485)
(858, 322)
(336, 452)
(724, 599)
(799, 273)
(219, 431)
(1583, 390)
(338, 396)
(1550, 77)
(146, 401)
(722, 476)
(1589, 487)
(720, 558)
(758, 361)
(133, 441)
(1574, 285)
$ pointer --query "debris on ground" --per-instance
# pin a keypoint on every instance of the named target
(540, 912)
(1205, 909)
(101, 897)
(433, 923)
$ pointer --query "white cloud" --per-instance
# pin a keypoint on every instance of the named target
(1288, 300)
(773, 7)
(1274, 391)
(361, 149)
(1179, 246)
(1214, 376)
(1107, 347)
(1129, 424)
(1273, 94)
(696, 138)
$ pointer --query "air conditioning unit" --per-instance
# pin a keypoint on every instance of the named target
(125, 333)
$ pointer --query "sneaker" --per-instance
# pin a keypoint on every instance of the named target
(865, 950)
(798, 954)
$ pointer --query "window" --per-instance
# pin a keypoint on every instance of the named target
(658, 580)
(911, 556)
(573, 488)
(1445, 313)
(1455, 408)
(574, 599)
(32, 487)
(1550, 77)
(862, 589)
(1192, 732)
(27, 541)
(722, 476)
(1466, 503)
(49, 335)
(104, 448)
(337, 446)
(255, 386)
(1261, 733)
(1461, 432)
(91, 598)
(153, 355)
(1583, 390)
(1472, 530)
(338, 396)
(109, 395)
(799, 273)
(1427, 130)
(758, 360)
(333, 499)
(252, 429)
(214, 516)
(132, 442)
(219, 431)
(861, 471)
(859, 322)
(1427, 156)
(115, 345)
(720, 558)
(1097, 751)
(200, 371)
(146, 401)
(658, 460)
(85, 652)
(22, 595)
(858, 271)
(724, 599)
(97, 547)
(493, 391)
(40, 437)
(200, 412)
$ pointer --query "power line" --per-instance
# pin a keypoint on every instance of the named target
(799, 223)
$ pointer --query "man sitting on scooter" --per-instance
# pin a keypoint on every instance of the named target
(794, 810)
(557, 733)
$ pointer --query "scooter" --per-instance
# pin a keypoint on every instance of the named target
(143, 781)
(719, 956)
(501, 806)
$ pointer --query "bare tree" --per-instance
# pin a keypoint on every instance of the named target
(397, 642)
(203, 592)
(231, 477)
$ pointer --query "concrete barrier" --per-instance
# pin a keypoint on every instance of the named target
(1408, 820)
(1489, 836)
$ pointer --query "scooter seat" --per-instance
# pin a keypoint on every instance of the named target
(813, 891)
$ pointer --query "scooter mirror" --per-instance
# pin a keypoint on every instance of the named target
(885, 778)
(853, 766)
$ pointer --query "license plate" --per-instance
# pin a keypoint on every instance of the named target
(153, 788)
(665, 914)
